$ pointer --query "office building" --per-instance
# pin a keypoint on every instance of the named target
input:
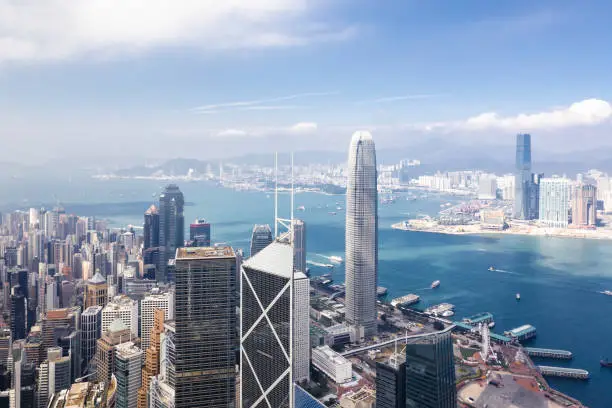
(151, 302)
(584, 207)
(117, 333)
(260, 238)
(151, 228)
(199, 233)
(53, 375)
(332, 364)
(487, 187)
(205, 319)
(152, 357)
(430, 372)
(534, 196)
(124, 308)
(96, 291)
(171, 227)
(554, 202)
(299, 245)
(161, 390)
(522, 176)
(303, 399)
(391, 384)
(23, 392)
(128, 363)
(91, 331)
(361, 237)
(18, 314)
(267, 355)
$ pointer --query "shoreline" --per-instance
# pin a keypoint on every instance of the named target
(532, 231)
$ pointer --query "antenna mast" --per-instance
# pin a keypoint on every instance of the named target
(275, 195)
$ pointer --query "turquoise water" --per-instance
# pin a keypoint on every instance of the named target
(558, 278)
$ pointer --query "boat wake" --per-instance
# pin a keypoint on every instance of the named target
(322, 265)
(504, 271)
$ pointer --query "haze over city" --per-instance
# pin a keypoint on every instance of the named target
(208, 79)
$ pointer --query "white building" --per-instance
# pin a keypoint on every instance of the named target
(487, 187)
(506, 184)
(334, 365)
(124, 308)
(155, 300)
(554, 202)
(301, 328)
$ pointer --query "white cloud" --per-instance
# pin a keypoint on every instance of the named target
(588, 112)
(304, 127)
(257, 103)
(231, 133)
(399, 98)
(60, 29)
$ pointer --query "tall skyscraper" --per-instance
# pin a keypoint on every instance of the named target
(151, 228)
(116, 334)
(270, 361)
(152, 357)
(124, 308)
(391, 384)
(299, 245)
(260, 238)
(199, 233)
(156, 300)
(96, 291)
(53, 375)
(361, 237)
(128, 363)
(205, 319)
(522, 180)
(554, 202)
(91, 331)
(18, 314)
(430, 372)
(584, 207)
(171, 227)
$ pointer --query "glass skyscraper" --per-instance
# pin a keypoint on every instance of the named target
(522, 177)
(171, 226)
(260, 238)
(361, 236)
(390, 385)
(205, 320)
(430, 372)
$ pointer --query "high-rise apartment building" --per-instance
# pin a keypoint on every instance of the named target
(205, 319)
(199, 233)
(270, 362)
(554, 202)
(361, 236)
(96, 291)
(522, 180)
(430, 372)
(91, 331)
(171, 226)
(260, 238)
(128, 363)
(124, 308)
(584, 207)
(148, 305)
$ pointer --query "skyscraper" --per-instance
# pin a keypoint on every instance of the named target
(53, 375)
(91, 331)
(584, 207)
(554, 202)
(128, 363)
(96, 291)
(269, 360)
(116, 334)
(522, 180)
(390, 385)
(171, 226)
(361, 236)
(299, 245)
(430, 372)
(205, 319)
(199, 233)
(260, 238)
(151, 228)
(124, 308)
(156, 300)
(152, 357)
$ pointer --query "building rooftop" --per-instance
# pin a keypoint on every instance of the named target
(77, 395)
(330, 354)
(152, 210)
(127, 350)
(361, 135)
(204, 252)
(92, 310)
(275, 259)
(117, 325)
(97, 279)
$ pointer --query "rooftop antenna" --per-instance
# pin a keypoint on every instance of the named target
(275, 194)
(292, 197)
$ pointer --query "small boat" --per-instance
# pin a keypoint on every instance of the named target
(605, 363)
(491, 269)
(518, 296)
(301, 208)
(332, 213)
(448, 313)
(491, 325)
(338, 208)
(335, 258)
(607, 292)
(435, 284)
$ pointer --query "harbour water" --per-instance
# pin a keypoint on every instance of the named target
(558, 279)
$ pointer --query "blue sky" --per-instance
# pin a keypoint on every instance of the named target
(205, 78)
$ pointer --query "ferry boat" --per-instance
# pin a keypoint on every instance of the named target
(301, 208)
(605, 362)
(518, 296)
(491, 269)
(435, 284)
(491, 325)
(607, 292)
(336, 259)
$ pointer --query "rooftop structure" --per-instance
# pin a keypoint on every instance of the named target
(333, 364)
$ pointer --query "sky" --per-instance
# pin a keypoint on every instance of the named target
(204, 79)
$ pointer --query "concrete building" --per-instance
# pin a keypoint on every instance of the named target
(91, 331)
(116, 334)
(584, 206)
(124, 308)
(53, 375)
(554, 202)
(487, 187)
(96, 291)
(199, 233)
(155, 300)
(205, 319)
(128, 363)
(361, 237)
(332, 364)
(152, 357)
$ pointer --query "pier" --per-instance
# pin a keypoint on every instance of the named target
(548, 353)
(485, 317)
(564, 372)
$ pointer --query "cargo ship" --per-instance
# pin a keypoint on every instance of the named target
(605, 363)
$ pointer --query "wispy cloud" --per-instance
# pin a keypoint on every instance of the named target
(258, 104)
(397, 98)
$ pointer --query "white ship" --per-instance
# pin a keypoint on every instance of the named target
(335, 259)
(435, 284)
(607, 292)
(448, 313)
(518, 296)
